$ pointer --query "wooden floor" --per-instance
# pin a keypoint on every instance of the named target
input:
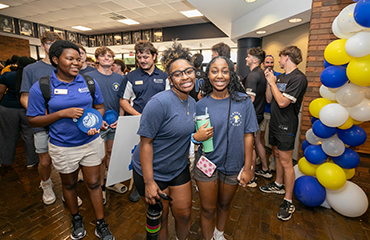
(253, 216)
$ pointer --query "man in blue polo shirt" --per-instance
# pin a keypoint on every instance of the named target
(142, 84)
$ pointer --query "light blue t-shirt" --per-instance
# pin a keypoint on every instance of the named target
(64, 132)
(110, 86)
(165, 120)
(242, 120)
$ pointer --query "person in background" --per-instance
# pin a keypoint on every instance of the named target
(268, 64)
(10, 64)
(69, 147)
(285, 92)
(85, 68)
(13, 119)
(255, 86)
(119, 67)
(142, 83)
(199, 75)
(110, 84)
(234, 121)
(90, 62)
(221, 49)
(160, 162)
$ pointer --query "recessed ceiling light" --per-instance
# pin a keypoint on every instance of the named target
(295, 20)
(192, 13)
(128, 21)
(261, 32)
(250, 1)
(82, 28)
(3, 6)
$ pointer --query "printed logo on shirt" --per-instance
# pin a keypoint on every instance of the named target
(281, 86)
(235, 119)
(82, 90)
(155, 80)
(115, 86)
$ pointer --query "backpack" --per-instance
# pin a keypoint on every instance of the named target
(45, 88)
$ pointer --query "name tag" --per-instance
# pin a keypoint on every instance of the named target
(158, 80)
(60, 91)
(139, 82)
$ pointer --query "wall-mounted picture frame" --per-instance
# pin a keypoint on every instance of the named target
(61, 33)
(117, 39)
(43, 28)
(6, 24)
(100, 40)
(72, 37)
(83, 40)
(26, 28)
(157, 35)
(92, 41)
(136, 36)
(126, 38)
(108, 39)
(147, 35)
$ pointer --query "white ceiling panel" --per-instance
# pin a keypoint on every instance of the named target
(181, 6)
(145, 11)
(148, 2)
(132, 4)
(112, 6)
(129, 14)
(163, 8)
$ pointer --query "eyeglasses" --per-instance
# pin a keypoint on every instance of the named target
(178, 75)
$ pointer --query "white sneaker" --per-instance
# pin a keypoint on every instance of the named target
(48, 195)
(218, 236)
(79, 201)
(272, 165)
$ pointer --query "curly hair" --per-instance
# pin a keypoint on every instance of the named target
(171, 54)
(234, 86)
(58, 47)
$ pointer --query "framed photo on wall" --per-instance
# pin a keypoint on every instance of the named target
(72, 37)
(100, 40)
(147, 35)
(61, 33)
(26, 28)
(117, 39)
(136, 36)
(126, 38)
(108, 39)
(43, 28)
(157, 35)
(6, 24)
(92, 41)
(83, 40)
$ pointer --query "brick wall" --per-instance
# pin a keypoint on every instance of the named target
(320, 35)
(10, 46)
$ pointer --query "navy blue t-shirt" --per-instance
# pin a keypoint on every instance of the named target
(10, 99)
(87, 69)
(33, 72)
(110, 86)
(165, 120)
(242, 120)
(141, 87)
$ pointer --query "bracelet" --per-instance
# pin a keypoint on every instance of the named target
(193, 140)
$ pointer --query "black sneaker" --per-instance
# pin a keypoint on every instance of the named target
(78, 229)
(286, 211)
(265, 174)
(273, 188)
(102, 231)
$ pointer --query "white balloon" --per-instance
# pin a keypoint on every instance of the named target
(350, 200)
(325, 93)
(312, 138)
(337, 32)
(333, 146)
(333, 90)
(297, 172)
(346, 22)
(367, 91)
(358, 45)
(360, 112)
(333, 115)
(350, 95)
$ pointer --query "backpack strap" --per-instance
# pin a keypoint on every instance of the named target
(45, 88)
(91, 85)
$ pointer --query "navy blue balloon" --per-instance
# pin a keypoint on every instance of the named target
(334, 76)
(323, 131)
(313, 119)
(349, 159)
(315, 155)
(361, 13)
(305, 144)
(353, 136)
(327, 64)
(309, 191)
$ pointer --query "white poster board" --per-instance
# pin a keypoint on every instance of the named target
(124, 142)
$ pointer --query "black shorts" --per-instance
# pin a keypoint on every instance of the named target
(181, 179)
(283, 141)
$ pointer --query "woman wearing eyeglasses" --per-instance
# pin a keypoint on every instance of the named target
(160, 162)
